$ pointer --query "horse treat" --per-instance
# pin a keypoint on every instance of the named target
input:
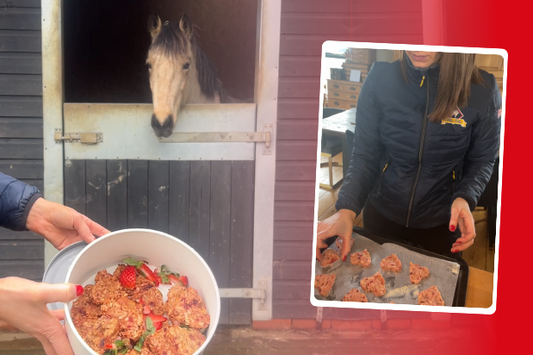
(430, 297)
(417, 273)
(361, 258)
(355, 296)
(391, 263)
(124, 312)
(324, 284)
(374, 284)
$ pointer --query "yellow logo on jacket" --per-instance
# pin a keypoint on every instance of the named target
(457, 118)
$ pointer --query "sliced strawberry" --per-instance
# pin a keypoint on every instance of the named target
(184, 280)
(174, 280)
(145, 271)
(158, 325)
(156, 318)
(127, 277)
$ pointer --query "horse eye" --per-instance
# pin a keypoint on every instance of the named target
(186, 66)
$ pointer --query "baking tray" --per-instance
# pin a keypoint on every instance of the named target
(449, 274)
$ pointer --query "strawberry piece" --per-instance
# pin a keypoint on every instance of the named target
(174, 279)
(127, 277)
(184, 280)
(157, 319)
(145, 271)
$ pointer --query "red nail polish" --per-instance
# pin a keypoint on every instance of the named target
(79, 290)
(458, 242)
(344, 258)
(454, 251)
(452, 228)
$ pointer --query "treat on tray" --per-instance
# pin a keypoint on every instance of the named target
(361, 258)
(417, 273)
(338, 242)
(430, 297)
(374, 284)
(391, 263)
(324, 284)
(124, 312)
(329, 257)
(355, 296)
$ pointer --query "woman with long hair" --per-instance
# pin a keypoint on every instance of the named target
(426, 138)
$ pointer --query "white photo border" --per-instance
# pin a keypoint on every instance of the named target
(328, 45)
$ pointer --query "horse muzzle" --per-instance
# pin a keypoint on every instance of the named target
(163, 130)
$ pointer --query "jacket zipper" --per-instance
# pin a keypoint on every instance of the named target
(420, 151)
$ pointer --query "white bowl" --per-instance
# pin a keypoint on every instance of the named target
(158, 249)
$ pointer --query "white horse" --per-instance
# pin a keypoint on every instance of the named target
(180, 73)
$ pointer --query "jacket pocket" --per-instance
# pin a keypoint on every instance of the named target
(381, 176)
(453, 181)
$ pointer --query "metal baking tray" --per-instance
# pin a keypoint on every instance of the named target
(450, 275)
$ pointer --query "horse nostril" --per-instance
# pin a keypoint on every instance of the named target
(168, 125)
(155, 122)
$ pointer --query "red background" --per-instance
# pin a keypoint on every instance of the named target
(492, 24)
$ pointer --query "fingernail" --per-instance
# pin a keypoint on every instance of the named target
(454, 251)
(344, 258)
(79, 290)
(452, 228)
(458, 242)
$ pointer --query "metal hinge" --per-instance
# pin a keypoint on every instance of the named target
(83, 138)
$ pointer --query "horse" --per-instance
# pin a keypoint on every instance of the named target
(180, 73)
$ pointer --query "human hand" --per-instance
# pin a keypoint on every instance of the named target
(340, 224)
(23, 306)
(462, 216)
(61, 225)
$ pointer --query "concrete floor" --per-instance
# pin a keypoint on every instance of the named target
(245, 341)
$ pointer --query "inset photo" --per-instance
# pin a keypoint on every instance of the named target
(408, 191)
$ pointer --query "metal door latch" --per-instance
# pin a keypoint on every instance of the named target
(83, 138)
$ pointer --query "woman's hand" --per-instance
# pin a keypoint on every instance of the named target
(61, 225)
(23, 306)
(340, 224)
(462, 216)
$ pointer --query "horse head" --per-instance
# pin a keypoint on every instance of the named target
(180, 73)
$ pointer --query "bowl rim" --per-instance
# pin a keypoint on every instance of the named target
(68, 318)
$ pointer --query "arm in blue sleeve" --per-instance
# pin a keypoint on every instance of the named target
(16, 200)
(367, 151)
(482, 152)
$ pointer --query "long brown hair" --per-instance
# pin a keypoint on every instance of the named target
(457, 72)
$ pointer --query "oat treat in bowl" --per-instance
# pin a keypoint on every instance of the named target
(146, 293)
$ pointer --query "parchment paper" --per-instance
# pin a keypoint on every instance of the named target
(442, 273)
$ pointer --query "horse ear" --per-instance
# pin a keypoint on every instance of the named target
(154, 25)
(186, 26)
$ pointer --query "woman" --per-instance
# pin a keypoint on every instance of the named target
(23, 302)
(427, 134)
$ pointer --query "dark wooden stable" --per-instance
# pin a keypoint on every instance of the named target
(21, 125)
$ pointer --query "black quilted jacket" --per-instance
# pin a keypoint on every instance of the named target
(16, 199)
(412, 169)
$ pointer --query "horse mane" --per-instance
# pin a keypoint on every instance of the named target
(173, 42)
